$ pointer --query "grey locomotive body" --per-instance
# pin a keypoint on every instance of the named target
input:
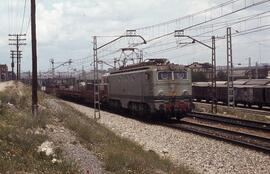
(153, 87)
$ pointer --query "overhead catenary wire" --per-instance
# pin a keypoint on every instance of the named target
(108, 53)
(223, 25)
(24, 9)
(210, 20)
(227, 23)
(236, 34)
(187, 16)
(114, 52)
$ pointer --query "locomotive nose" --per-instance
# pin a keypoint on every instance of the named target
(161, 93)
(173, 90)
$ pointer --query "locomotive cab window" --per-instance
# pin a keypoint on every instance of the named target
(180, 75)
(164, 75)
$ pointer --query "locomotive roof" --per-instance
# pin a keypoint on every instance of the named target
(147, 64)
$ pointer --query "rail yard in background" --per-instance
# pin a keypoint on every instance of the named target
(135, 76)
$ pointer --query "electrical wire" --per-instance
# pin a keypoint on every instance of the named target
(24, 9)
(188, 16)
(210, 20)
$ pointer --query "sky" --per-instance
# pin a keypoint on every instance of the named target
(65, 29)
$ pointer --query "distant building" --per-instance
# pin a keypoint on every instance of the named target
(261, 71)
(255, 72)
(204, 68)
(10, 76)
(3, 72)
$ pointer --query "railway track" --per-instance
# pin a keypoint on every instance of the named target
(255, 135)
(262, 111)
(193, 123)
(231, 120)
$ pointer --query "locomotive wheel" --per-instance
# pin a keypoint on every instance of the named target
(166, 117)
(149, 116)
(131, 109)
(147, 112)
(178, 116)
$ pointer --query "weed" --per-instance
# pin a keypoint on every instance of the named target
(120, 155)
(18, 143)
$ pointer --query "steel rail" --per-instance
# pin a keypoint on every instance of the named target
(251, 110)
(231, 120)
(252, 141)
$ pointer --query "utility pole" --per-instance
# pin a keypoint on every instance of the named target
(180, 33)
(257, 71)
(96, 81)
(12, 54)
(129, 34)
(34, 59)
(249, 69)
(84, 74)
(230, 78)
(214, 77)
(17, 42)
(114, 63)
(141, 56)
(53, 70)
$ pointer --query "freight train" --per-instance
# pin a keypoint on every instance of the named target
(246, 92)
(151, 88)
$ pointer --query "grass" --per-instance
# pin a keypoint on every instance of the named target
(118, 154)
(18, 143)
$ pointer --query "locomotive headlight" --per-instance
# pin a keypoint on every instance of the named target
(185, 93)
(161, 93)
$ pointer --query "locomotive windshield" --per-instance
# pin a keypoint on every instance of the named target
(180, 75)
(165, 76)
(172, 75)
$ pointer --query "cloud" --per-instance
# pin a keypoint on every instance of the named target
(65, 27)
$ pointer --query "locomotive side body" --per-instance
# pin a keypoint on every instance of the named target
(151, 90)
(127, 87)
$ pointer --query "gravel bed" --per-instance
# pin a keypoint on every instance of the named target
(73, 151)
(204, 155)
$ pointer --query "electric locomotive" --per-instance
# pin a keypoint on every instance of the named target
(153, 87)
